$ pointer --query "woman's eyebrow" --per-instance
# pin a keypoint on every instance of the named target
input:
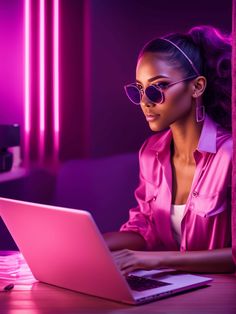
(153, 78)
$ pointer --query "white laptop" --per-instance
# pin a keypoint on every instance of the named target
(63, 247)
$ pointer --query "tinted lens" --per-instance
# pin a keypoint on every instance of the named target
(154, 94)
(133, 94)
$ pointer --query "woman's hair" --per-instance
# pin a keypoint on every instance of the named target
(210, 51)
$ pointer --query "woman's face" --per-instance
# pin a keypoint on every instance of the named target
(177, 105)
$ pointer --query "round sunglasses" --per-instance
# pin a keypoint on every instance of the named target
(153, 92)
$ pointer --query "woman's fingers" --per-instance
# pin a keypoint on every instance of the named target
(119, 253)
(126, 260)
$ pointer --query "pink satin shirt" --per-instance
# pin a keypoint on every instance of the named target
(206, 222)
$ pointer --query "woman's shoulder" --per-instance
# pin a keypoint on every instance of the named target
(224, 141)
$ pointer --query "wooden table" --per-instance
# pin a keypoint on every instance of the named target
(219, 297)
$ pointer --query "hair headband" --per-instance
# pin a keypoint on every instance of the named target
(183, 53)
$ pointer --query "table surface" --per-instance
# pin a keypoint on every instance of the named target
(218, 297)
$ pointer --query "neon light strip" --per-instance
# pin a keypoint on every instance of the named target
(41, 65)
(87, 74)
(56, 70)
(27, 67)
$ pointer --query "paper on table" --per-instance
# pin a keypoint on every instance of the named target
(15, 270)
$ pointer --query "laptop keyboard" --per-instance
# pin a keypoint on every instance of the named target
(141, 283)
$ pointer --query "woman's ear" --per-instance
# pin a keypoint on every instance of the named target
(199, 85)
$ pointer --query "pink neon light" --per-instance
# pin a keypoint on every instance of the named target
(41, 65)
(56, 70)
(27, 67)
(87, 71)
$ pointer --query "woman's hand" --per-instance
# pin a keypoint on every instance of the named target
(128, 260)
(207, 261)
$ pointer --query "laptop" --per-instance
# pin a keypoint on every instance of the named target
(64, 247)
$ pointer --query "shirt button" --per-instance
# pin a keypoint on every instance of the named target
(195, 193)
(154, 198)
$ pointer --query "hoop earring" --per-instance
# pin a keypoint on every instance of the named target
(200, 113)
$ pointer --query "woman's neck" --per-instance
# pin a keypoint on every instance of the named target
(186, 134)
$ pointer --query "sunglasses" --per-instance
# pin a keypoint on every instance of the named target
(153, 92)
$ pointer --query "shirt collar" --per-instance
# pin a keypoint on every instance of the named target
(207, 140)
(206, 143)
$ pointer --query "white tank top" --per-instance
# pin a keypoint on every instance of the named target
(177, 212)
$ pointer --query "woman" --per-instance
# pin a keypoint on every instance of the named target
(183, 85)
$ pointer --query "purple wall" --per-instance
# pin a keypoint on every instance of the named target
(118, 30)
(11, 62)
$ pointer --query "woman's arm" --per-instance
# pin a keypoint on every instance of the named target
(211, 261)
(207, 261)
(124, 240)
